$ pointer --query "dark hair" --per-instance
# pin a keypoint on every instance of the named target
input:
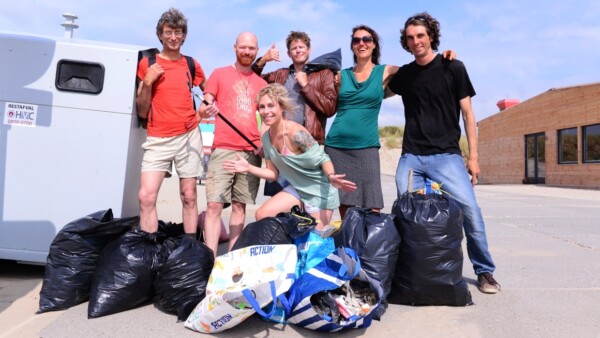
(174, 19)
(297, 36)
(429, 22)
(376, 51)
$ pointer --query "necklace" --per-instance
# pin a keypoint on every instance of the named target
(244, 83)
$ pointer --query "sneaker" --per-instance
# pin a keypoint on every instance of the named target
(330, 229)
(487, 283)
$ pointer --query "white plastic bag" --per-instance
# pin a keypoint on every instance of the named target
(241, 283)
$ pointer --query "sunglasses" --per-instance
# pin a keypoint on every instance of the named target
(416, 18)
(365, 39)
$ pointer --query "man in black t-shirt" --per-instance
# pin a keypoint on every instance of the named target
(434, 92)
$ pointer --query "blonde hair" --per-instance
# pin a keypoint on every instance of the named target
(279, 94)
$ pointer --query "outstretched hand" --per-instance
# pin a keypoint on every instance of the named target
(236, 166)
(338, 182)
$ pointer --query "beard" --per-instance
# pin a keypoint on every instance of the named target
(245, 60)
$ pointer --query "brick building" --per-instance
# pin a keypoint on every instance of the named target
(552, 138)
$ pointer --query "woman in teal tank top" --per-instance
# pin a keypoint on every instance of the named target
(353, 139)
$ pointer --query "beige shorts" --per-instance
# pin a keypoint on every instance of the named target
(184, 150)
(223, 186)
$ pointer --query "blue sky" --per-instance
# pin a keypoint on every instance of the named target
(512, 49)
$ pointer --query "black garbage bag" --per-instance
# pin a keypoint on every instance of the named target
(125, 272)
(297, 222)
(180, 282)
(73, 256)
(281, 229)
(430, 261)
(169, 229)
(374, 237)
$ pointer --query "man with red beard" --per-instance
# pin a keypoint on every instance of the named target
(231, 91)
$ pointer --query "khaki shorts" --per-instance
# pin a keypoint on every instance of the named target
(223, 186)
(184, 150)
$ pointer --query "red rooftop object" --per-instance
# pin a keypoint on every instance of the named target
(507, 103)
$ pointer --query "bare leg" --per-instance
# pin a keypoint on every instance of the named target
(281, 202)
(149, 186)
(236, 222)
(212, 225)
(187, 188)
(323, 218)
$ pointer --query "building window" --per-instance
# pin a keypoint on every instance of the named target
(567, 146)
(591, 143)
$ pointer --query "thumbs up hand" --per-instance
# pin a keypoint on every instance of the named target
(271, 55)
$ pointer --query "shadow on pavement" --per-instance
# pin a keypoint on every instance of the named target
(16, 280)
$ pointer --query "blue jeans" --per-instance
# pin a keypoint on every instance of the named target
(449, 170)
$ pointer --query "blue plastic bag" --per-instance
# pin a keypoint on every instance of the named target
(333, 275)
(312, 249)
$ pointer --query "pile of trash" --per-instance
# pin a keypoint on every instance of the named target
(280, 267)
(116, 266)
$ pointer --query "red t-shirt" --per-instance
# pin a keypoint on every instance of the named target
(172, 111)
(235, 96)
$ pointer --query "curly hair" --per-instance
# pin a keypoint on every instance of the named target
(279, 94)
(429, 22)
(174, 19)
(297, 36)
(376, 40)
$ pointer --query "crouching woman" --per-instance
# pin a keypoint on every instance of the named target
(290, 149)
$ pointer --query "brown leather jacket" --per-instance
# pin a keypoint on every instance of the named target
(320, 97)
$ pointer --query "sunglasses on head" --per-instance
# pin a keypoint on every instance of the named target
(416, 18)
(365, 39)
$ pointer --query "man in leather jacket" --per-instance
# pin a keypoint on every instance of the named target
(314, 94)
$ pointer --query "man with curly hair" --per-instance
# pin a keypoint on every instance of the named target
(164, 101)
(435, 92)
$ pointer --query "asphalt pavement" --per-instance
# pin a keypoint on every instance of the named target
(545, 242)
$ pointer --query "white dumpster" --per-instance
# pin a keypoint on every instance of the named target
(70, 141)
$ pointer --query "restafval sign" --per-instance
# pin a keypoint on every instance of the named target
(20, 114)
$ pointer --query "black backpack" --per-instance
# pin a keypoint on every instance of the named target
(151, 54)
